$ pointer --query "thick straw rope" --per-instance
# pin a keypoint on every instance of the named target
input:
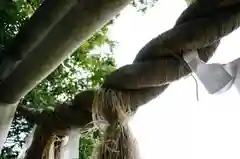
(157, 65)
(160, 62)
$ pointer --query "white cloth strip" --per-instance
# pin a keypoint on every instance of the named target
(216, 78)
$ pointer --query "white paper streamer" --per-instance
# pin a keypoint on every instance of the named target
(216, 78)
(71, 148)
(233, 68)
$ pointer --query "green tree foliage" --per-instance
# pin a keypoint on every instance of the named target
(12, 17)
(87, 143)
(143, 5)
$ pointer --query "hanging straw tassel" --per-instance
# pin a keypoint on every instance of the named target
(111, 112)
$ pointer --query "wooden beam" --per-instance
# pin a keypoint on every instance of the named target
(80, 23)
(84, 19)
(34, 30)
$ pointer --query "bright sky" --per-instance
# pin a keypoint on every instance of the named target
(176, 125)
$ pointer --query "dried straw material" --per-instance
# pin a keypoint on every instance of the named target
(51, 147)
(111, 115)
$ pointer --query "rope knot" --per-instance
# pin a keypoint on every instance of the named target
(111, 111)
(110, 106)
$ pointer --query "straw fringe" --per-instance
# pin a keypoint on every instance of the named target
(111, 112)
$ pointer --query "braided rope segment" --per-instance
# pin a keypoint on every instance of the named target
(157, 64)
(160, 61)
